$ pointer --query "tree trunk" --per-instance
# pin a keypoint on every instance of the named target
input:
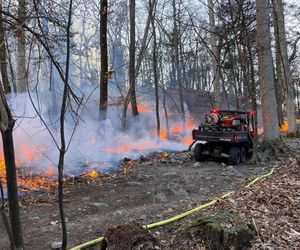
(6, 126)
(164, 101)
(5, 218)
(285, 66)
(53, 89)
(215, 55)
(248, 62)
(252, 90)
(136, 71)
(3, 57)
(63, 147)
(265, 69)
(12, 189)
(177, 64)
(278, 82)
(21, 51)
(11, 68)
(131, 71)
(104, 60)
(155, 68)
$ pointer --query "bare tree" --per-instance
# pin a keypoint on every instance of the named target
(284, 64)
(104, 60)
(131, 70)
(6, 126)
(266, 72)
(177, 62)
(144, 45)
(3, 61)
(215, 54)
(4, 217)
(21, 49)
(152, 5)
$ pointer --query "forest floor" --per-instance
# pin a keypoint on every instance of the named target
(150, 189)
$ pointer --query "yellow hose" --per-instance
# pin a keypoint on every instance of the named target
(259, 178)
(179, 216)
(87, 244)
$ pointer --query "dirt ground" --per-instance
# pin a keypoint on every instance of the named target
(152, 188)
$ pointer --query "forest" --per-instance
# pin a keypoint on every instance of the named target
(149, 124)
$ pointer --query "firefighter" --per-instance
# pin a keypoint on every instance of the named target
(216, 119)
(207, 120)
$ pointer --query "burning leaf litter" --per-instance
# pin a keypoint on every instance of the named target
(101, 152)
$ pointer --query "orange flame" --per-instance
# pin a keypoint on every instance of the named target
(45, 180)
(142, 107)
(2, 169)
(91, 173)
(29, 181)
(51, 171)
(27, 152)
(176, 128)
(162, 134)
(187, 140)
(285, 126)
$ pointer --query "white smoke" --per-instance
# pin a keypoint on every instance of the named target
(95, 144)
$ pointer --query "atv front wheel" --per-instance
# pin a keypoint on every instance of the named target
(234, 155)
(198, 152)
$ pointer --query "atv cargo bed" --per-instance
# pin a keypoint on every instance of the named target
(221, 136)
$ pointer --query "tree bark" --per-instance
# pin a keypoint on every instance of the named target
(251, 84)
(4, 217)
(285, 66)
(266, 75)
(131, 71)
(6, 127)
(63, 148)
(11, 69)
(12, 189)
(278, 82)
(215, 55)
(155, 68)
(136, 70)
(104, 60)
(253, 94)
(21, 50)
(177, 64)
(3, 57)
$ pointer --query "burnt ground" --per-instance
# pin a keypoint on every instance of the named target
(150, 189)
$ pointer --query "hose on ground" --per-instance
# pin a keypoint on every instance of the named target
(179, 216)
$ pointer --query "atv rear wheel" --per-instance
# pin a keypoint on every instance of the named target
(234, 155)
(198, 152)
(243, 154)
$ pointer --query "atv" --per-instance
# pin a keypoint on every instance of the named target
(224, 134)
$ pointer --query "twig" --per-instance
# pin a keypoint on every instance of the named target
(256, 229)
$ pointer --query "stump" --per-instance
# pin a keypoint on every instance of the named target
(223, 231)
(129, 235)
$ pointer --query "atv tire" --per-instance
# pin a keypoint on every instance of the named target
(243, 155)
(198, 152)
(234, 155)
